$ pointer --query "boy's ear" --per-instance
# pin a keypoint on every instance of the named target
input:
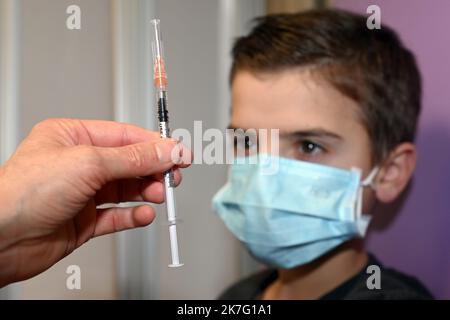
(395, 172)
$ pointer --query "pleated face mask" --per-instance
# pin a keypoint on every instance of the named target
(295, 214)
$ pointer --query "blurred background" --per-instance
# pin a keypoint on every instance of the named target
(102, 71)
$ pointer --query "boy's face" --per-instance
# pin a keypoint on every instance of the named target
(317, 123)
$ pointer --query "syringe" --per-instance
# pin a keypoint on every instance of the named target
(160, 82)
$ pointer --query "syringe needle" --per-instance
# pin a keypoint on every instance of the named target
(160, 82)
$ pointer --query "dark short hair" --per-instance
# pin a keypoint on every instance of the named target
(372, 67)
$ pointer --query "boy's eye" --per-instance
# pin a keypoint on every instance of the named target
(249, 142)
(246, 143)
(309, 148)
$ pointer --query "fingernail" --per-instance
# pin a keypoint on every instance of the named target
(164, 150)
(177, 153)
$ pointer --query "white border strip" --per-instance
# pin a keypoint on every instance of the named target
(9, 77)
(9, 95)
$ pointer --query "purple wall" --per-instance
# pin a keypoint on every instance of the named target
(416, 240)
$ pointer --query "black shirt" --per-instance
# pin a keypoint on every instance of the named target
(394, 286)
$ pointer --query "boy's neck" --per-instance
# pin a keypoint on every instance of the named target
(318, 278)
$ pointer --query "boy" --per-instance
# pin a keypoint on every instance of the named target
(346, 101)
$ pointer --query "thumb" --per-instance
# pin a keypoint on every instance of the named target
(141, 159)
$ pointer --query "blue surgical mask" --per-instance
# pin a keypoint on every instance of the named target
(295, 214)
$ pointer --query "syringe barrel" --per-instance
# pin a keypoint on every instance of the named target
(174, 247)
(163, 114)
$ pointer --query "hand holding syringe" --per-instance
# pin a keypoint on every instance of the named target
(160, 82)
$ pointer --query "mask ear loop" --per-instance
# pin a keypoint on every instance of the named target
(367, 182)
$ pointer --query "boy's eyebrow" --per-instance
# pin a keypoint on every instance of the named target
(231, 127)
(312, 133)
(315, 133)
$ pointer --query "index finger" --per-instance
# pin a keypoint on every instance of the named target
(102, 133)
